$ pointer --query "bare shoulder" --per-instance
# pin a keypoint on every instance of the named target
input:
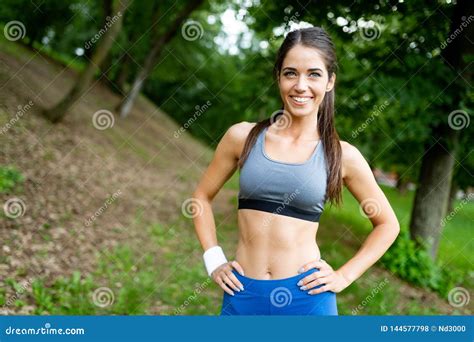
(240, 130)
(352, 160)
(237, 134)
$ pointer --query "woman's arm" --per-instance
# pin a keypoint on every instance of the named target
(360, 181)
(221, 168)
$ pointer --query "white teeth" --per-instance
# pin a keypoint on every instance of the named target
(301, 99)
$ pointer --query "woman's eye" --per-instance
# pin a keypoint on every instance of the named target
(315, 74)
(289, 73)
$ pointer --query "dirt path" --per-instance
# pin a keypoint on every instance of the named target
(71, 169)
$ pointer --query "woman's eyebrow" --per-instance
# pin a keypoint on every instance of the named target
(311, 69)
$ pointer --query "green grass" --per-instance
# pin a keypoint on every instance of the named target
(456, 247)
(170, 279)
(10, 178)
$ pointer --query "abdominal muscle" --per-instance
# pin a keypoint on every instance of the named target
(273, 246)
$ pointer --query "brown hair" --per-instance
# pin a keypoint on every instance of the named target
(317, 38)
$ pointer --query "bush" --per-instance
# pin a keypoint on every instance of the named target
(9, 178)
(411, 261)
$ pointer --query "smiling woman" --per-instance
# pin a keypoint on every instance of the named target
(290, 165)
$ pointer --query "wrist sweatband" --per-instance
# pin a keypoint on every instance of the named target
(213, 258)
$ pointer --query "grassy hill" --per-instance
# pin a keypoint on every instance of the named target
(102, 231)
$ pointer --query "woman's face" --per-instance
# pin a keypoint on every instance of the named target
(303, 80)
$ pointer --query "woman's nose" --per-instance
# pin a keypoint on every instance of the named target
(301, 84)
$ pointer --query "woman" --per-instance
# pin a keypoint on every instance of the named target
(290, 164)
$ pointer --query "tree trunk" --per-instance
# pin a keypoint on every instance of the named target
(58, 112)
(123, 73)
(402, 186)
(433, 192)
(153, 58)
(452, 196)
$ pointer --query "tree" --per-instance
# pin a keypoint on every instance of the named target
(58, 112)
(433, 193)
(34, 19)
(154, 56)
(398, 57)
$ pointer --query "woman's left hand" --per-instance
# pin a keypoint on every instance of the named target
(334, 280)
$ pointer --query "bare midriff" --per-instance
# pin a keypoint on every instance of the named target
(273, 246)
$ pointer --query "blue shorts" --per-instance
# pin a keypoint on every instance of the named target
(277, 297)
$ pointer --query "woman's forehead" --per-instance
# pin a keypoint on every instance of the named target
(303, 57)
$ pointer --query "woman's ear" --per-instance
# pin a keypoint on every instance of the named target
(331, 83)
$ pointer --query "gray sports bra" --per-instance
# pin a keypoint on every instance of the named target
(290, 189)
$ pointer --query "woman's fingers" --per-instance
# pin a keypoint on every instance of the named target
(230, 283)
(317, 282)
(319, 264)
(236, 282)
(224, 287)
(227, 280)
(237, 266)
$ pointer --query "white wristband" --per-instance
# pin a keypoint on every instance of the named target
(213, 258)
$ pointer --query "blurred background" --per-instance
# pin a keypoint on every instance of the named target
(110, 112)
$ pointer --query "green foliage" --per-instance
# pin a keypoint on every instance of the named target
(411, 261)
(40, 18)
(10, 177)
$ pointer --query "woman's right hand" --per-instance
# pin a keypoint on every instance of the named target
(224, 277)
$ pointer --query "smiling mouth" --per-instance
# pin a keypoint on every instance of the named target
(301, 99)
